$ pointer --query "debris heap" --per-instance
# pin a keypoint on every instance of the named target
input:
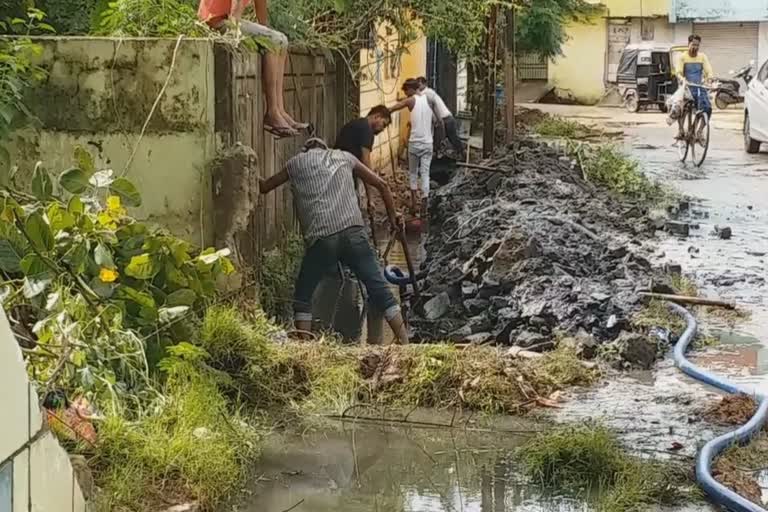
(517, 255)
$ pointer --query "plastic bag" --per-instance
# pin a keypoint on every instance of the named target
(675, 104)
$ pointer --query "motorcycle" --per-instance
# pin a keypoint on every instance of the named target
(727, 91)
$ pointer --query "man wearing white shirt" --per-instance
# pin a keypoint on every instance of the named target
(451, 130)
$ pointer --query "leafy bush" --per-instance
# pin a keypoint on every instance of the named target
(155, 18)
(18, 72)
(93, 283)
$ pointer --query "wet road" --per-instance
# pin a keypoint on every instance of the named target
(656, 409)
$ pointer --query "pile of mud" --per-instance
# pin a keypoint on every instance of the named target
(516, 256)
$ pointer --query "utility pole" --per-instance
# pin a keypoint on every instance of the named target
(489, 92)
(509, 74)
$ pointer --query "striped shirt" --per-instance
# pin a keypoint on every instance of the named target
(323, 188)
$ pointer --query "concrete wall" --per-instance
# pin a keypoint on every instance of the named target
(99, 93)
(718, 10)
(762, 44)
(580, 71)
(35, 472)
(636, 8)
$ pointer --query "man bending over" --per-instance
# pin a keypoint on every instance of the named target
(322, 182)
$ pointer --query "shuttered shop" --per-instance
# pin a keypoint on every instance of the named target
(729, 46)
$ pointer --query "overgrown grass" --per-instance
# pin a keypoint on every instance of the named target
(588, 457)
(608, 166)
(325, 376)
(277, 274)
(555, 126)
(190, 447)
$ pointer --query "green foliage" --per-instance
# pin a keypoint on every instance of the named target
(277, 276)
(608, 166)
(151, 18)
(588, 457)
(96, 281)
(18, 72)
(540, 25)
(190, 447)
(70, 16)
(554, 126)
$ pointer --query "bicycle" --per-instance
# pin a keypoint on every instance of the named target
(694, 126)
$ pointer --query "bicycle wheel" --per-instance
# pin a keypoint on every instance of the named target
(700, 139)
(682, 144)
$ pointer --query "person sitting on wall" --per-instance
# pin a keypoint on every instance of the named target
(445, 116)
(322, 182)
(222, 14)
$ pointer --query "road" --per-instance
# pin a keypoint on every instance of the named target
(730, 189)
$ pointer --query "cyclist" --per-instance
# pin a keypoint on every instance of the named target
(694, 69)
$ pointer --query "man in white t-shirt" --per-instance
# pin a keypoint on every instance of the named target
(449, 123)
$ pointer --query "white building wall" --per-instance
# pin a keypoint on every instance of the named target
(762, 44)
(35, 473)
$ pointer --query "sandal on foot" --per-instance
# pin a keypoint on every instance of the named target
(280, 132)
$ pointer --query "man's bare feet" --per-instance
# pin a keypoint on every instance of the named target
(293, 123)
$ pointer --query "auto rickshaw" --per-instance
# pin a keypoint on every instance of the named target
(646, 75)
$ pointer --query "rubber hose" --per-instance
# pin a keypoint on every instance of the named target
(717, 491)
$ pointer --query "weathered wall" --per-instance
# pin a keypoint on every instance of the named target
(636, 8)
(580, 71)
(315, 92)
(382, 76)
(718, 10)
(35, 472)
(99, 93)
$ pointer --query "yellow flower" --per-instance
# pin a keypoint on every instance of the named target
(115, 208)
(108, 275)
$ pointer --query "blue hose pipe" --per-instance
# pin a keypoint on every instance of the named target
(395, 276)
(717, 491)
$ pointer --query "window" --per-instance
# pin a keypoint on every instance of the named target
(647, 30)
(6, 487)
(763, 74)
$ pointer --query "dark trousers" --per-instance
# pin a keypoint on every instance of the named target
(452, 132)
(352, 249)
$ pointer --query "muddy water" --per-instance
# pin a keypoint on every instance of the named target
(359, 468)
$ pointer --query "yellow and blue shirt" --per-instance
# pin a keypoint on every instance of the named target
(694, 69)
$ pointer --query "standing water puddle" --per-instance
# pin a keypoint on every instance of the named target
(366, 468)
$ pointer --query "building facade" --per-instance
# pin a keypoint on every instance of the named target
(733, 32)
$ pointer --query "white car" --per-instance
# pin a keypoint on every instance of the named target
(756, 111)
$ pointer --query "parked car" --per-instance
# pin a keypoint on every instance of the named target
(756, 111)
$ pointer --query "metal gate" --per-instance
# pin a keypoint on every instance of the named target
(532, 66)
(729, 46)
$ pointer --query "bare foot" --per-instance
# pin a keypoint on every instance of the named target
(293, 123)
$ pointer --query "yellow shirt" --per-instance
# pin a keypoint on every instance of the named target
(696, 69)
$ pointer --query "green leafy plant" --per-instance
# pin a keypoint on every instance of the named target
(18, 72)
(99, 288)
(155, 18)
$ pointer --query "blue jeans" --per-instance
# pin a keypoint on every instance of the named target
(701, 99)
(352, 248)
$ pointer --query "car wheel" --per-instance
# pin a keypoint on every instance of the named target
(750, 145)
